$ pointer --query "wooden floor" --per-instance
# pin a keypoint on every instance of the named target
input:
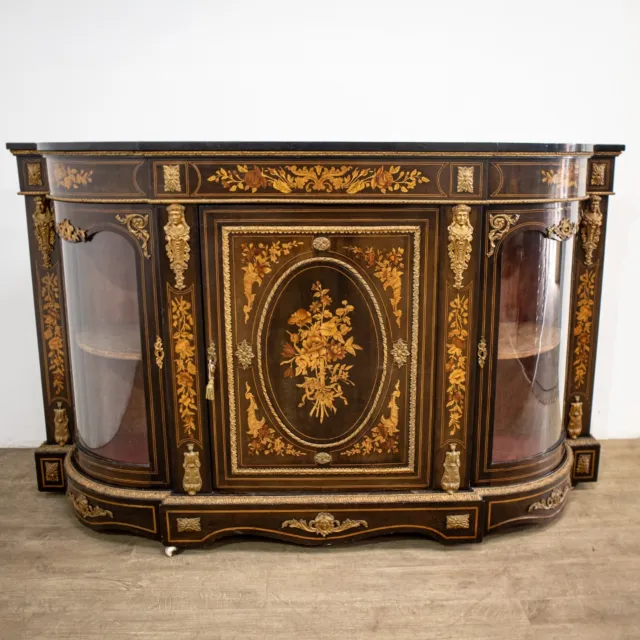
(576, 578)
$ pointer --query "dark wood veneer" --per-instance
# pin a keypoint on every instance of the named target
(405, 239)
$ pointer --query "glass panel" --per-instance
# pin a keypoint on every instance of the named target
(106, 357)
(534, 305)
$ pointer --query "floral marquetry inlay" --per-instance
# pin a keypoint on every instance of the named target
(257, 261)
(263, 439)
(292, 179)
(583, 327)
(563, 177)
(384, 436)
(388, 267)
(456, 363)
(316, 349)
(52, 331)
(70, 177)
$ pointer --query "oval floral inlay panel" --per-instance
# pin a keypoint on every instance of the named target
(323, 352)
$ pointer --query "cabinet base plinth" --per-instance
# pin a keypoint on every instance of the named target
(182, 521)
(50, 474)
(586, 452)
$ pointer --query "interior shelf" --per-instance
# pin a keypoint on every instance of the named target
(523, 340)
(117, 341)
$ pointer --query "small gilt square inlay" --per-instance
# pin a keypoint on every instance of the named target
(52, 472)
(34, 174)
(460, 521)
(583, 466)
(171, 174)
(188, 524)
(465, 180)
(598, 171)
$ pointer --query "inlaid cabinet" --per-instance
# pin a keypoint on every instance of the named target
(316, 342)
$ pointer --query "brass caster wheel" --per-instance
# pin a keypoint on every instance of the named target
(170, 551)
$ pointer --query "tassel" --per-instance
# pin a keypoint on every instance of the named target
(210, 395)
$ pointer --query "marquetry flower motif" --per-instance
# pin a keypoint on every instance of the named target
(184, 362)
(385, 435)
(583, 327)
(291, 178)
(388, 267)
(264, 439)
(315, 351)
(257, 261)
(563, 177)
(456, 363)
(70, 177)
(52, 334)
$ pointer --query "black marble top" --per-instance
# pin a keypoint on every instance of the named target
(407, 147)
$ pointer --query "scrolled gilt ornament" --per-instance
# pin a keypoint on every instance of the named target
(324, 524)
(177, 233)
(44, 229)
(563, 230)
(136, 224)
(81, 504)
(70, 233)
(591, 222)
(400, 353)
(499, 224)
(245, 354)
(553, 501)
(460, 236)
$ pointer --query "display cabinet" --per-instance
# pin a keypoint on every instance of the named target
(316, 342)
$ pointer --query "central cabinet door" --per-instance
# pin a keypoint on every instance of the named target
(322, 319)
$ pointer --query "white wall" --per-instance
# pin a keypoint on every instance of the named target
(465, 70)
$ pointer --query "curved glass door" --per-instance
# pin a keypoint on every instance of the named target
(103, 309)
(533, 288)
